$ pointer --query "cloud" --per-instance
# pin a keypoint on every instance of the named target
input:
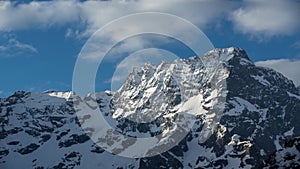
(136, 43)
(95, 14)
(262, 17)
(10, 46)
(144, 24)
(289, 68)
(16, 16)
(84, 18)
(256, 17)
(128, 46)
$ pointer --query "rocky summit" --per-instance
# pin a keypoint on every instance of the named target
(244, 116)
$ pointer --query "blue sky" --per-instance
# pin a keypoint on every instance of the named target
(40, 41)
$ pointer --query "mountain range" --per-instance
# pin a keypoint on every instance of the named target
(217, 111)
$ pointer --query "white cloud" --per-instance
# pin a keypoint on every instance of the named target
(267, 18)
(94, 14)
(141, 24)
(84, 18)
(12, 47)
(289, 68)
(130, 45)
(36, 14)
(134, 44)
(256, 17)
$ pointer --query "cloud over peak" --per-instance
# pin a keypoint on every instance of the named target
(289, 68)
(267, 18)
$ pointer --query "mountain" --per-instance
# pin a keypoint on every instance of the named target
(217, 111)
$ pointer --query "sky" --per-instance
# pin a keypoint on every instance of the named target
(40, 41)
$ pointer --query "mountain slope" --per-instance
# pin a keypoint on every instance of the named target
(243, 116)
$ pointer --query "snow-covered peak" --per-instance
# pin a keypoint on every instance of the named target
(233, 55)
(65, 95)
(162, 92)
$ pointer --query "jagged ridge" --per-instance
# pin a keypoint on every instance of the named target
(258, 124)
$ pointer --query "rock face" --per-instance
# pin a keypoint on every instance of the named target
(249, 115)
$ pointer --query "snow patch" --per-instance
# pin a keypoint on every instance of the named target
(293, 95)
(277, 145)
(289, 133)
(261, 80)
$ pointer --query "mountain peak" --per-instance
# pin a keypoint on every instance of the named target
(231, 54)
